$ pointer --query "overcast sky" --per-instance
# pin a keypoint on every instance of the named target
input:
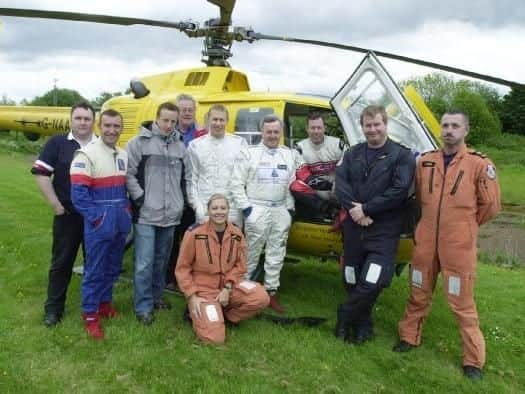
(483, 36)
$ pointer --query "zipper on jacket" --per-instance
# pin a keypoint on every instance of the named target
(456, 184)
(208, 251)
(431, 183)
(439, 212)
(228, 260)
(220, 262)
(369, 168)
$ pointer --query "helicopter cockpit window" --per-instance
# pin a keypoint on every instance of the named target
(370, 85)
(247, 123)
(296, 120)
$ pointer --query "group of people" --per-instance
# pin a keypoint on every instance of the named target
(204, 204)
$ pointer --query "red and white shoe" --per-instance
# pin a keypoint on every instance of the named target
(92, 325)
(275, 305)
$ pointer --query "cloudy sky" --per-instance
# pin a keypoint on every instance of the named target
(486, 36)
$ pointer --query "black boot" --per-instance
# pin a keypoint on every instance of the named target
(342, 327)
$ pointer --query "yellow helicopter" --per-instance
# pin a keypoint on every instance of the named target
(410, 123)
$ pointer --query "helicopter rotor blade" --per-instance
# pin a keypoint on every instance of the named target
(107, 19)
(488, 78)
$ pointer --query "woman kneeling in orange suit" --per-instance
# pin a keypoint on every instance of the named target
(211, 271)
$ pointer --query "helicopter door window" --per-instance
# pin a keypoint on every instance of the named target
(247, 123)
(371, 85)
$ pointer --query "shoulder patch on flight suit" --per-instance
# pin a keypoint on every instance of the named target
(491, 171)
(193, 226)
(236, 237)
(477, 153)
(427, 163)
(430, 151)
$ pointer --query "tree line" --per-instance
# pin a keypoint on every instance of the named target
(490, 113)
(62, 98)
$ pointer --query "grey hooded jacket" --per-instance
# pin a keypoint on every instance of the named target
(158, 169)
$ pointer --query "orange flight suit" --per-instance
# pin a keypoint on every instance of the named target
(453, 206)
(204, 266)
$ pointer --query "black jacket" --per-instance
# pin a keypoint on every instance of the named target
(382, 187)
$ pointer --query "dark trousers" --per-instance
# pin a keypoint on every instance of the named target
(369, 264)
(68, 232)
(187, 219)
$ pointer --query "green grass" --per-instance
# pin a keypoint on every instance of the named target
(259, 357)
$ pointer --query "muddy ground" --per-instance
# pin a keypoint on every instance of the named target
(503, 239)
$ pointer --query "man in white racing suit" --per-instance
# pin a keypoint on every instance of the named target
(212, 159)
(314, 189)
(260, 187)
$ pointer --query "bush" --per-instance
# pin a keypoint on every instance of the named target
(483, 123)
(481, 102)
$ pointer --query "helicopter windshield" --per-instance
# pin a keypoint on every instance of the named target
(370, 84)
(247, 123)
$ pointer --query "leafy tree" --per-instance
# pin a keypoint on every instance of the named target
(481, 102)
(103, 97)
(512, 111)
(483, 123)
(58, 97)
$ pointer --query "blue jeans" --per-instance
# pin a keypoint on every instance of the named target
(152, 251)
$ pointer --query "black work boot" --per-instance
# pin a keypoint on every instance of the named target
(403, 347)
(363, 335)
(342, 326)
(473, 373)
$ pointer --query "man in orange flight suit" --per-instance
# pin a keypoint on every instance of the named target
(458, 191)
(211, 271)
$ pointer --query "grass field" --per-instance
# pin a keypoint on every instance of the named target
(259, 357)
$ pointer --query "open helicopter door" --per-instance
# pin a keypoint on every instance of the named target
(370, 84)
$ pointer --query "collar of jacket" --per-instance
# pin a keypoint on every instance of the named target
(462, 151)
(149, 129)
(213, 233)
(106, 147)
(388, 147)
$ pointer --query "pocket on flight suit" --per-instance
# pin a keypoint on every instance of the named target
(104, 226)
(459, 288)
(421, 278)
(210, 326)
(246, 286)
